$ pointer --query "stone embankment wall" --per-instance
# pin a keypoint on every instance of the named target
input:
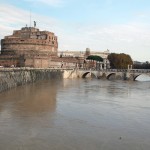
(12, 77)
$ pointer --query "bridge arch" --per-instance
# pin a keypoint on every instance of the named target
(135, 77)
(111, 74)
(86, 73)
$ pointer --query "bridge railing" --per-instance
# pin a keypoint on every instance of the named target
(4, 69)
(85, 69)
(105, 70)
(139, 70)
(118, 70)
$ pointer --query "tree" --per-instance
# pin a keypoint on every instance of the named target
(142, 66)
(94, 57)
(120, 61)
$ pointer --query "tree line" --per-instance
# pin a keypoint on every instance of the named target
(119, 61)
(142, 66)
(94, 57)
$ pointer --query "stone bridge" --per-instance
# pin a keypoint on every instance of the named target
(12, 77)
(122, 74)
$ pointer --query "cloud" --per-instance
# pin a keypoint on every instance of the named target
(20, 18)
(131, 38)
(55, 3)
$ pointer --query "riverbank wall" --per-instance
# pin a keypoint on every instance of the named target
(13, 77)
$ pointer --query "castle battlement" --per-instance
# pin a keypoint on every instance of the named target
(29, 38)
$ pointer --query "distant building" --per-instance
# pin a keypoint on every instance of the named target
(71, 53)
(84, 54)
(137, 62)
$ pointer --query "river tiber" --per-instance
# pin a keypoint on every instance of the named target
(69, 100)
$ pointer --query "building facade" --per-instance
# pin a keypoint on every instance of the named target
(84, 54)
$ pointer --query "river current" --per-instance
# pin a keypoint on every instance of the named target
(76, 114)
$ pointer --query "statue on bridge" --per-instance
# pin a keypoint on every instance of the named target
(34, 24)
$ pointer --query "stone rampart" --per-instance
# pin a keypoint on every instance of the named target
(13, 77)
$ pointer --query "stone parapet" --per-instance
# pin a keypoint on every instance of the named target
(13, 77)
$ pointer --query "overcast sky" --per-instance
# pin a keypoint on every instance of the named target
(122, 26)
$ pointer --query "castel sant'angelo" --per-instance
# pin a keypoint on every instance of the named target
(30, 47)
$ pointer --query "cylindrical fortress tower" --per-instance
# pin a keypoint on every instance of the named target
(29, 41)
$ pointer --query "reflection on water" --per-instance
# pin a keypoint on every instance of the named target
(31, 99)
(76, 115)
